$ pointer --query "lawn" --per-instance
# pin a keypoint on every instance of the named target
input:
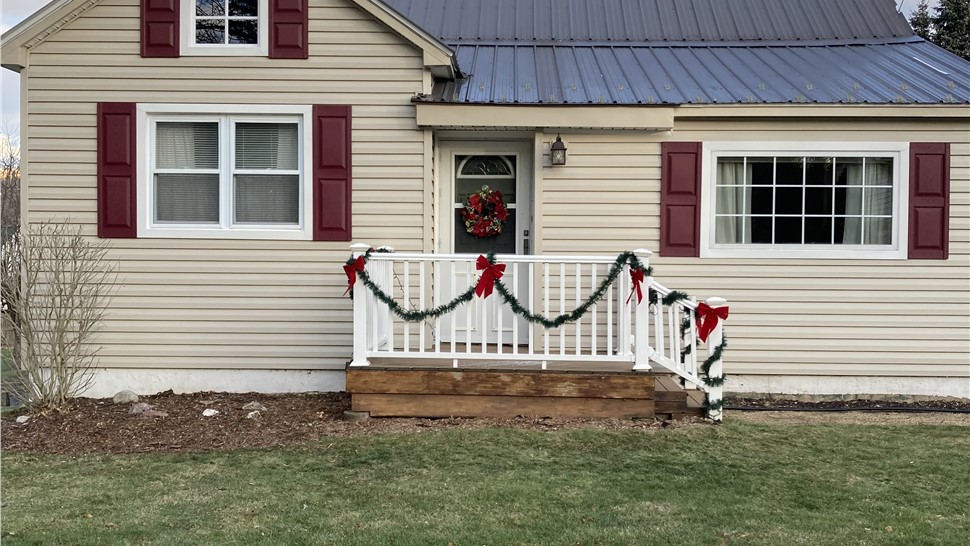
(739, 483)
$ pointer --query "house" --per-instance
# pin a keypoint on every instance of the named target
(807, 161)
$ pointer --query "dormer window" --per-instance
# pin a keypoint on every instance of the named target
(224, 27)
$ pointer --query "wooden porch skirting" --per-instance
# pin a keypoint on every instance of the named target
(506, 393)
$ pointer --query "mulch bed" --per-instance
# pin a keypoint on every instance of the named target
(100, 426)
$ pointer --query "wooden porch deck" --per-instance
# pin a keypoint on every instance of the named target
(422, 387)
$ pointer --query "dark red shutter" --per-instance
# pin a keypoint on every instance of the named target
(159, 28)
(288, 29)
(116, 170)
(929, 200)
(680, 189)
(331, 173)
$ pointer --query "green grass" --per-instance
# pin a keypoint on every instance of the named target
(739, 483)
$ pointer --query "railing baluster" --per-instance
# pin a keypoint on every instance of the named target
(468, 311)
(389, 288)
(673, 334)
(515, 319)
(483, 326)
(436, 281)
(532, 306)
(692, 339)
(423, 287)
(658, 326)
(407, 305)
(497, 307)
(609, 320)
(579, 330)
(562, 306)
(594, 325)
(545, 305)
(453, 322)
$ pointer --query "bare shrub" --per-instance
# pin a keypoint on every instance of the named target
(55, 290)
(9, 181)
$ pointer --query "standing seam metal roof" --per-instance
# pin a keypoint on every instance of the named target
(654, 20)
(687, 52)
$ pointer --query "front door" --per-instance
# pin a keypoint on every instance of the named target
(505, 167)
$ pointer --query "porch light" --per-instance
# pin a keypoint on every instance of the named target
(557, 153)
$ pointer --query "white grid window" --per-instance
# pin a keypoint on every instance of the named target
(804, 200)
(224, 27)
(210, 173)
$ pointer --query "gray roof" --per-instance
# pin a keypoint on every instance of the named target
(454, 21)
(908, 72)
(687, 52)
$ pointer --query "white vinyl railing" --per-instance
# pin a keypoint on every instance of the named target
(615, 329)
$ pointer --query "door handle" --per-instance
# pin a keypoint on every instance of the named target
(525, 242)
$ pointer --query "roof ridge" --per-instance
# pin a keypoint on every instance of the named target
(678, 44)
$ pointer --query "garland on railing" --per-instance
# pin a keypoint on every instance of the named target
(716, 355)
(705, 316)
(492, 274)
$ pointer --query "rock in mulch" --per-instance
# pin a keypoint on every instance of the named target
(21, 420)
(125, 397)
(140, 407)
(209, 412)
(254, 406)
(252, 415)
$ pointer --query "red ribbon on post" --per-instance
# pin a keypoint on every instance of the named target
(490, 273)
(636, 276)
(351, 271)
(707, 318)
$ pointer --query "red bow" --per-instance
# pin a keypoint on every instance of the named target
(351, 271)
(636, 275)
(707, 318)
(490, 273)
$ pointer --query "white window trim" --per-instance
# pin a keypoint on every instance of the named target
(187, 35)
(899, 151)
(147, 113)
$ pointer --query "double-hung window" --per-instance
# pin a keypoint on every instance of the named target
(225, 175)
(224, 27)
(804, 200)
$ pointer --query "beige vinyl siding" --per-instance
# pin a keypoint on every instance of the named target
(209, 303)
(788, 316)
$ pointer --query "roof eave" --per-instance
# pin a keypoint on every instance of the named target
(436, 54)
(38, 26)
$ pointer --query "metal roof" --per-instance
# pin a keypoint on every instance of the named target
(455, 21)
(908, 72)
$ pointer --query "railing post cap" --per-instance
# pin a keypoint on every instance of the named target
(716, 301)
(360, 248)
(642, 253)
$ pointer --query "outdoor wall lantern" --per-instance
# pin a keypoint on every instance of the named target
(557, 153)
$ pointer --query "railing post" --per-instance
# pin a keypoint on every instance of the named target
(715, 393)
(641, 341)
(360, 312)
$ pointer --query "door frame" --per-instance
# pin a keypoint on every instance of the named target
(524, 188)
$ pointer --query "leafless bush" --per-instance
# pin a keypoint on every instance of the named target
(9, 180)
(55, 290)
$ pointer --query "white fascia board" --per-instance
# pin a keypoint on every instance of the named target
(552, 117)
(42, 23)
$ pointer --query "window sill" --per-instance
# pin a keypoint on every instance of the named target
(225, 50)
(280, 234)
(800, 252)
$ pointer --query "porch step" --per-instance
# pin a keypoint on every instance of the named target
(447, 392)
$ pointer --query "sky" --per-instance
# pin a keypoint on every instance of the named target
(14, 11)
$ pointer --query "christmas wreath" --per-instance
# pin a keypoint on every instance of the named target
(485, 213)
